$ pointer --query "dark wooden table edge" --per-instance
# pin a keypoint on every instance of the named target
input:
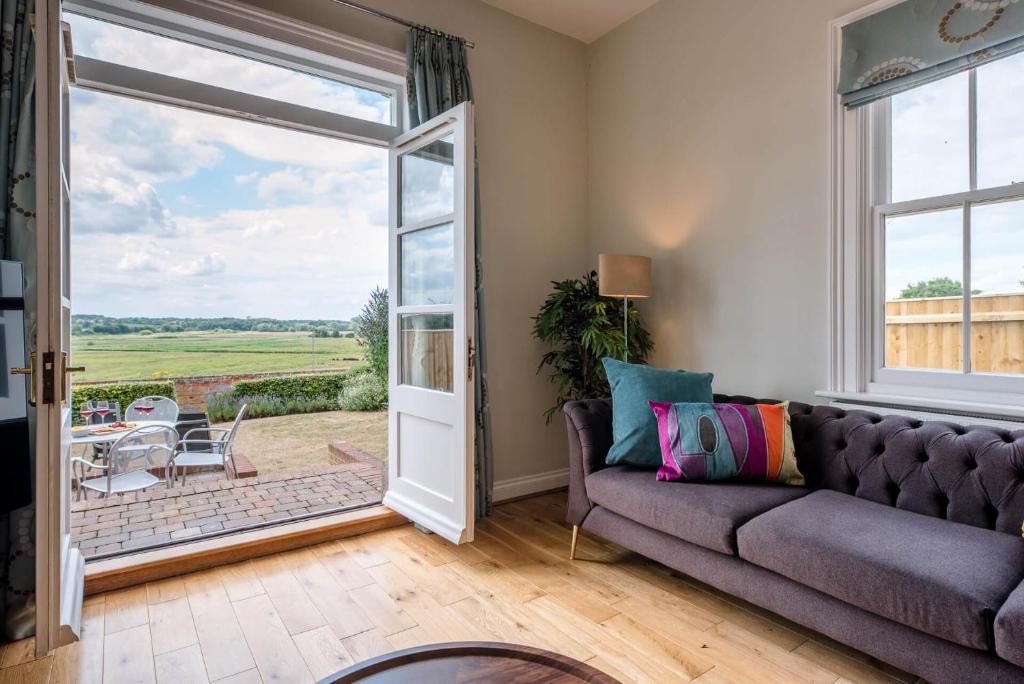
(556, 661)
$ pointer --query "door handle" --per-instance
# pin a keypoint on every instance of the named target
(65, 368)
(30, 371)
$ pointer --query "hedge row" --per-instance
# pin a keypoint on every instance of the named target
(294, 387)
(123, 392)
(223, 407)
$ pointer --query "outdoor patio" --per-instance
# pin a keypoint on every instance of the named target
(210, 504)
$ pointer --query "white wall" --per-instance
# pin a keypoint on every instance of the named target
(708, 146)
(530, 89)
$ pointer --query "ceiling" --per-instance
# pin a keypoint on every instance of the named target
(585, 20)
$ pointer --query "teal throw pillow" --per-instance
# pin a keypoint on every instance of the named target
(634, 427)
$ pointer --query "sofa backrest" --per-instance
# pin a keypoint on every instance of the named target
(972, 475)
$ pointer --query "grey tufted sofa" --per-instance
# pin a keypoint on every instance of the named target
(905, 543)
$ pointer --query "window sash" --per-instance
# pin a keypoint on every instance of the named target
(887, 379)
(94, 74)
(180, 25)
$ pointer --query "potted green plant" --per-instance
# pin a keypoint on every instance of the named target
(582, 327)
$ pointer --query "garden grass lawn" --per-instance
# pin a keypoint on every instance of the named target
(145, 357)
(288, 442)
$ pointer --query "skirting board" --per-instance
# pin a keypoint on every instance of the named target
(515, 487)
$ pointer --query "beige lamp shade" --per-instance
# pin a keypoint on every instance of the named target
(624, 275)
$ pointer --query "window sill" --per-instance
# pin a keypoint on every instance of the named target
(1012, 412)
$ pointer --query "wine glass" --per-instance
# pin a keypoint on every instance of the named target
(86, 410)
(102, 409)
(145, 406)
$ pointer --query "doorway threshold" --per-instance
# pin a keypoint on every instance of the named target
(131, 569)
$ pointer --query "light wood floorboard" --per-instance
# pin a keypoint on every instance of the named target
(300, 615)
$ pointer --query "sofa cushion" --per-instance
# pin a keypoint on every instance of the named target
(704, 513)
(702, 442)
(943, 578)
(1009, 632)
(633, 424)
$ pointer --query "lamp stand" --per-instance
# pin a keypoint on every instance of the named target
(625, 328)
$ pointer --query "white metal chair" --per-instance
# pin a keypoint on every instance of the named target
(128, 462)
(152, 408)
(217, 450)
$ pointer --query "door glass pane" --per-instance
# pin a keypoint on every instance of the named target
(924, 290)
(930, 140)
(427, 353)
(428, 266)
(997, 287)
(1000, 112)
(428, 182)
(151, 52)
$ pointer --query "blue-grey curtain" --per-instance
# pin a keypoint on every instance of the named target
(919, 41)
(17, 239)
(437, 79)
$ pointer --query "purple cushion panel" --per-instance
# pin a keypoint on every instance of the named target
(703, 513)
(943, 578)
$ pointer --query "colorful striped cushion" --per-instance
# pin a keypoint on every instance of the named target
(724, 441)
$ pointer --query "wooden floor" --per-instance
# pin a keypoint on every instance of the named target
(301, 615)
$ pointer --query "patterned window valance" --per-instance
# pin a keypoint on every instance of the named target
(918, 41)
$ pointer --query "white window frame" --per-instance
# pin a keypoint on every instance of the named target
(859, 154)
(255, 34)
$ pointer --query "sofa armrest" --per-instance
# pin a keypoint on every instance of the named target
(1009, 628)
(589, 424)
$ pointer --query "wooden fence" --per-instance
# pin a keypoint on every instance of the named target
(427, 358)
(928, 333)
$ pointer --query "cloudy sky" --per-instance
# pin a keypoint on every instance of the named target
(930, 157)
(179, 213)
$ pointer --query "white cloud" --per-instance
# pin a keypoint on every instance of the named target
(155, 258)
(119, 206)
(138, 262)
(287, 185)
(263, 228)
(203, 266)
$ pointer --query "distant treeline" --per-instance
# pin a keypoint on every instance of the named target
(86, 324)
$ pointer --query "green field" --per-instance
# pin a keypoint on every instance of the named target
(143, 357)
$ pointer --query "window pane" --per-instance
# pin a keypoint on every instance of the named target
(428, 182)
(428, 266)
(924, 290)
(427, 353)
(930, 140)
(142, 50)
(1000, 113)
(997, 287)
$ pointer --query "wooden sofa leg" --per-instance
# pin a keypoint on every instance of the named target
(575, 538)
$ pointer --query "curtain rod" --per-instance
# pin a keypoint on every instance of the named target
(398, 20)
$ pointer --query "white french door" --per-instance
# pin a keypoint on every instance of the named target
(431, 297)
(59, 566)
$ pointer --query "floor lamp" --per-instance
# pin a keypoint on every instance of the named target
(624, 275)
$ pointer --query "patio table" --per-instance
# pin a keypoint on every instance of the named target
(112, 437)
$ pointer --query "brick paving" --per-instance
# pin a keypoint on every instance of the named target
(210, 505)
